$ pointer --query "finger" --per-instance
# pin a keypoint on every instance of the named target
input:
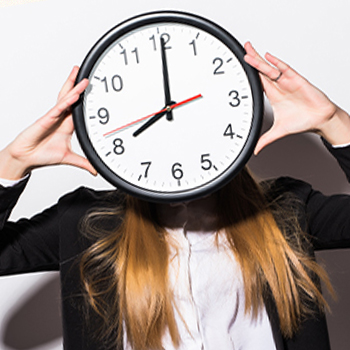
(72, 96)
(80, 162)
(253, 59)
(68, 100)
(62, 108)
(262, 66)
(250, 50)
(274, 71)
(268, 84)
(69, 83)
(270, 136)
(282, 66)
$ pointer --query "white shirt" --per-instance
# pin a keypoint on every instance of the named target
(208, 292)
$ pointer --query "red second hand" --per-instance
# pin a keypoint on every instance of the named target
(151, 115)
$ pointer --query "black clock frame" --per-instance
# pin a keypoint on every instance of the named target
(182, 18)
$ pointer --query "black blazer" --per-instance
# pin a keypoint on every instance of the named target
(51, 241)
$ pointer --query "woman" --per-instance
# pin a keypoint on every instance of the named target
(234, 270)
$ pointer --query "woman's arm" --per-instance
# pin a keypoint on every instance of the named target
(48, 140)
(297, 105)
(34, 244)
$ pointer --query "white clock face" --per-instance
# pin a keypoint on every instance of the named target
(209, 103)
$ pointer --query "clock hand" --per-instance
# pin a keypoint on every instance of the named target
(168, 101)
(153, 115)
(166, 110)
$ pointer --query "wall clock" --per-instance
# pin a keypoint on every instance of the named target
(172, 111)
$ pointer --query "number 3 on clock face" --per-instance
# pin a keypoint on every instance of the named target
(172, 111)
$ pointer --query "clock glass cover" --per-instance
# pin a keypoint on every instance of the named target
(172, 111)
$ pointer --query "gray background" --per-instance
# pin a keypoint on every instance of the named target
(40, 42)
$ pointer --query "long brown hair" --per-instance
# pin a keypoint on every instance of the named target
(125, 271)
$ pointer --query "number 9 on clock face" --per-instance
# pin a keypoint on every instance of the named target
(172, 111)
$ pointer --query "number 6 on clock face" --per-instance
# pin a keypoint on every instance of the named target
(172, 111)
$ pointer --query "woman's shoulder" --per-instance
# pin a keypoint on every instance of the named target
(286, 186)
(78, 206)
(86, 196)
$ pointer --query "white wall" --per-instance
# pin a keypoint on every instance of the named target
(41, 40)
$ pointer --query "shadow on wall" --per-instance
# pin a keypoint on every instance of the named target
(301, 156)
(37, 322)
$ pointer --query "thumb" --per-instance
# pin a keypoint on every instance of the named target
(80, 162)
(273, 134)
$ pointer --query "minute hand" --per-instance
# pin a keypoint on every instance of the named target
(165, 110)
(150, 116)
(168, 101)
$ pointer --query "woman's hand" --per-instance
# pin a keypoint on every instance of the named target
(48, 140)
(297, 105)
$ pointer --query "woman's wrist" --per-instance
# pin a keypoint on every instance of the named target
(10, 167)
(337, 129)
